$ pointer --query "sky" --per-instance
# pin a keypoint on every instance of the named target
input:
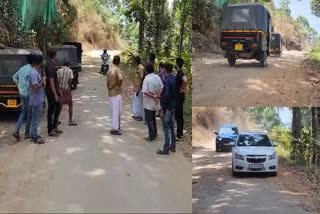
(303, 8)
(285, 116)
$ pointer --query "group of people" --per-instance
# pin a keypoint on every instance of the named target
(32, 85)
(159, 94)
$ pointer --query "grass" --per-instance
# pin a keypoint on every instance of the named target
(314, 56)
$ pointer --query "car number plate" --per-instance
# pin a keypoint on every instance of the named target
(12, 103)
(239, 47)
(256, 166)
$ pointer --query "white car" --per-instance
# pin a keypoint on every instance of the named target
(254, 152)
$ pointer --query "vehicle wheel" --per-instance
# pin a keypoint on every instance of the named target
(274, 173)
(234, 173)
(232, 60)
(263, 60)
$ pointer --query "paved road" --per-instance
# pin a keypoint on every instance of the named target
(87, 169)
(283, 82)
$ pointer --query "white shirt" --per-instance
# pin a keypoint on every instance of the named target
(151, 84)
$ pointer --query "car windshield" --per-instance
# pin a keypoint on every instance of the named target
(253, 140)
(241, 15)
(228, 130)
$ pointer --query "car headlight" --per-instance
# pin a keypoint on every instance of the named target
(273, 156)
(238, 156)
(219, 138)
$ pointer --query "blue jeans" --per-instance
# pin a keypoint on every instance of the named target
(25, 112)
(36, 113)
(152, 123)
(168, 128)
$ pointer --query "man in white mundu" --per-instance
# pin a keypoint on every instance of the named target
(137, 98)
(114, 82)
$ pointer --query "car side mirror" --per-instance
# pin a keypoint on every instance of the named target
(275, 144)
(232, 144)
(216, 133)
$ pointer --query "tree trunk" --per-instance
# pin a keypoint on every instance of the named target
(141, 27)
(296, 122)
(315, 125)
(183, 21)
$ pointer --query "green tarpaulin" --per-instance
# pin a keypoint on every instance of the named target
(31, 9)
(219, 3)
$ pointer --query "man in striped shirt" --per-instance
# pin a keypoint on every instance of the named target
(65, 76)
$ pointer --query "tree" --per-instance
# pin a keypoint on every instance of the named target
(304, 21)
(270, 118)
(284, 7)
(312, 33)
(315, 7)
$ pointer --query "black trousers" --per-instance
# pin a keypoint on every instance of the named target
(179, 114)
(152, 123)
(54, 110)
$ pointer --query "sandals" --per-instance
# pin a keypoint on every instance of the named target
(16, 136)
(161, 152)
(39, 141)
(113, 132)
(72, 123)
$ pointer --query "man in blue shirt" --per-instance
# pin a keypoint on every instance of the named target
(21, 78)
(168, 101)
(36, 99)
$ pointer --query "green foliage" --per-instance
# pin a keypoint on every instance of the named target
(284, 7)
(270, 118)
(304, 21)
(315, 7)
(10, 21)
(206, 16)
(282, 136)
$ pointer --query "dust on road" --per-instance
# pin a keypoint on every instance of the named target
(216, 191)
(87, 169)
(283, 82)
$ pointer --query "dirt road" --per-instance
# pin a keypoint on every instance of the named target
(282, 83)
(88, 170)
(216, 191)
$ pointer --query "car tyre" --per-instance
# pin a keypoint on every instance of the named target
(232, 60)
(274, 174)
(234, 173)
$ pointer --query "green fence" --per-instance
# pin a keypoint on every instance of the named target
(31, 9)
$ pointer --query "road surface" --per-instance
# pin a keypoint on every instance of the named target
(88, 170)
(283, 82)
(216, 191)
